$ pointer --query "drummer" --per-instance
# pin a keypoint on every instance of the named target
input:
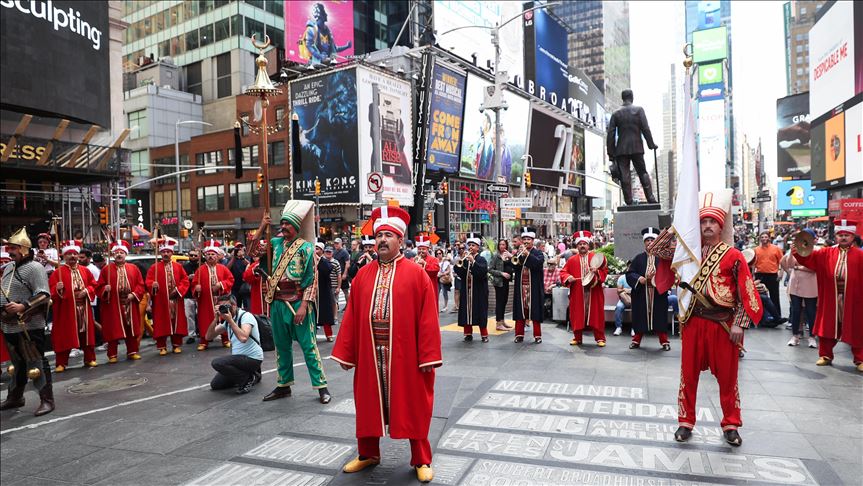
(584, 274)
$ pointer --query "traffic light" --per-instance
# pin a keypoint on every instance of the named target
(430, 218)
(747, 216)
(444, 187)
(260, 179)
(103, 215)
(527, 179)
(317, 187)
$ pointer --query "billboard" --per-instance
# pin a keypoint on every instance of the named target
(477, 149)
(549, 145)
(828, 152)
(594, 156)
(546, 58)
(711, 144)
(327, 109)
(854, 144)
(317, 31)
(799, 194)
(710, 44)
(831, 59)
(54, 60)
(793, 157)
(710, 74)
(446, 110)
(709, 14)
(386, 141)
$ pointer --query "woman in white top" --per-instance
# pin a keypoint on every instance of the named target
(444, 276)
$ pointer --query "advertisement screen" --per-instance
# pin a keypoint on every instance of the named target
(831, 59)
(546, 58)
(317, 31)
(477, 149)
(594, 156)
(547, 145)
(709, 14)
(854, 144)
(711, 144)
(792, 137)
(710, 44)
(710, 74)
(445, 119)
(587, 102)
(55, 62)
(828, 152)
(577, 160)
(799, 195)
(327, 109)
(386, 135)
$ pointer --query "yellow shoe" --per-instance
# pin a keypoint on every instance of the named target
(59, 369)
(226, 345)
(822, 361)
(112, 360)
(91, 364)
(134, 356)
(860, 367)
(202, 347)
(575, 342)
(425, 473)
(163, 352)
(178, 350)
(601, 344)
(357, 465)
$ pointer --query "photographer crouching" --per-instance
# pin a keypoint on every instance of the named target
(242, 368)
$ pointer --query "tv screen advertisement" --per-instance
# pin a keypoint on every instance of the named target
(854, 144)
(594, 156)
(710, 44)
(318, 31)
(711, 144)
(548, 144)
(546, 63)
(831, 59)
(446, 111)
(793, 195)
(793, 151)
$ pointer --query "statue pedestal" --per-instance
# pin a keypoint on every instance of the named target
(628, 223)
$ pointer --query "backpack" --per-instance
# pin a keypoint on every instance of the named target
(265, 330)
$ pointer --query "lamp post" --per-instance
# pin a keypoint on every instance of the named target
(177, 166)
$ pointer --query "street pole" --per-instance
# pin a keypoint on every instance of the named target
(177, 167)
(498, 81)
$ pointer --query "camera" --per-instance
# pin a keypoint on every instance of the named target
(224, 309)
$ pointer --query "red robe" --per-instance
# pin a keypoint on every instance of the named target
(64, 333)
(162, 324)
(206, 302)
(415, 342)
(111, 308)
(595, 318)
(823, 261)
(257, 302)
(432, 269)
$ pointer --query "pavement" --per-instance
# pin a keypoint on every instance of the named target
(505, 414)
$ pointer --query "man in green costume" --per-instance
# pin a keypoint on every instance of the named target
(291, 294)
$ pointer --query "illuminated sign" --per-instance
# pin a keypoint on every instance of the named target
(710, 44)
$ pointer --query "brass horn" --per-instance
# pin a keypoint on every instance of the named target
(804, 243)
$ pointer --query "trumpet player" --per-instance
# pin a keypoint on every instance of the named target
(501, 271)
(24, 303)
(529, 293)
(121, 288)
(473, 295)
(649, 306)
(368, 256)
(426, 260)
(72, 290)
(586, 298)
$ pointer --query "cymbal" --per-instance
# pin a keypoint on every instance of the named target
(804, 243)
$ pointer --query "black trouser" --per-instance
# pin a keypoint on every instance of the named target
(501, 296)
(15, 342)
(797, 309)
(626, 176)
(771, 281)
(234, 370)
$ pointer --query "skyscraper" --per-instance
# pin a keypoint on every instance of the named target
(799, 18)
(668, 157)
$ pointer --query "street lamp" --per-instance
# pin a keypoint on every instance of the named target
(177, 166)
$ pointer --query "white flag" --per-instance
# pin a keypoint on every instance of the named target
(686, 224)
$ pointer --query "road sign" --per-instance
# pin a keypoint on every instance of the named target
(498, 188)
(761, 199)
(562, 217)
(375, 183)
(516, 202)
(507, 214)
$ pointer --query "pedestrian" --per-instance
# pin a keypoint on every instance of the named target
(585, 275)
(237, 264)
(390, 334)
(410, 253)
(72, 290)
(122, 288)
(242, 368)
(803, 291)
(624, 301)
(770, 318)
(292, 299)
(458, 255)
(501, 270)
(210, 281)
(190, 304)
(649, 305)
(425, 259)
(255, 275)
(725, 305)
(24, 302)
(445, 278)
(328, 283)
(473, 290)
(85, 259)
(45, 255)
(344, 259)
(167, 283)
(368, 255)
(840, 293)
(527, 304)
(767, 258)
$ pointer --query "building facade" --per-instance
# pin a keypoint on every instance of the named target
(799, 17)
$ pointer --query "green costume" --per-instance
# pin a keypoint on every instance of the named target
(300, 269)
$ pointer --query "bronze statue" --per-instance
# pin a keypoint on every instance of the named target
(623, 143)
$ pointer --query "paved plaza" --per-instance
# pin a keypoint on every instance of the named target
(505, 414)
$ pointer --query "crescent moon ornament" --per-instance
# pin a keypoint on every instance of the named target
(263, 46)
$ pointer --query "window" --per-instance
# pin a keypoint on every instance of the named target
(276, 7)
(254, 27)
(178, 45)
(138, 119)
(223, 29)
(277, 37)
(244, 124)
(223, 75)
(209, 159)
(140, 165)
(167, 165)
(211, 198)
(280, 118)
(236, 25)
(176, 14)
(165, 48)
(193, 78)
(256, 3)
(206, 35)
(244, 195)
(191, 40)
(276, 153)
(280, 192)
(205, 6)
(800, 71)
(802, 10)
(190, 10)
(250, 156)
(799, 48)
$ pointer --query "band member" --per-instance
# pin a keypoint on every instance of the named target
(368, 255)
(473, 284)
(45, 255)
(840, 293)
(529, 295)
(292, 294)
(649, 306)
(23, 305)
(121, 288)
(211, 280)
(255, 275)
(390, 335)
(325, 305)
(426, 260)
(72, 290)
(586, 298)
(167, 282)
(725, 303)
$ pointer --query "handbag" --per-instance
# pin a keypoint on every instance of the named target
(626, 297)
(446, 278)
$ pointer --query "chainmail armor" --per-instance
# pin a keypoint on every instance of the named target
(30, 273)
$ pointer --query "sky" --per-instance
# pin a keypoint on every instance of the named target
(657, 31)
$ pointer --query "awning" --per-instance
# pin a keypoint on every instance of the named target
(822, 219)
(139, 233)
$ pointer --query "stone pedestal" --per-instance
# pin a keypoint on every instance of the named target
(628, 223)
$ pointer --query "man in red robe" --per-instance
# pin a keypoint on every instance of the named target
(168, 283)
(390, 334)
(426, 260)
(121, 288)
(72, 290)
(839, 314)
(211, 280)
(256, 279)
(586, 298)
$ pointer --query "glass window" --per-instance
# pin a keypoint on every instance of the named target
(206, 35)
(223, 29)
(193, 78)
(276, 153)
(237, 25)
(244, 117)
(256, 3)
(138, 119)
(205, 6)
(799, 48)
(277, 37)
(176, 14)
(276, 7)
(280, 192)
(280, 118)
(223, 75)
(209, 159)
(140, 165)
(221, 3)
(178, 45)
(254, 27)
(165, 48)
(211, 198)
(190, 10)
(244, 195)
(250, 155)
(191, 40)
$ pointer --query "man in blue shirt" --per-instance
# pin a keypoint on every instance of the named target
(242, 368)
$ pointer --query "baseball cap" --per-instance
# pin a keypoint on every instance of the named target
(328, 249)
(338, 240)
